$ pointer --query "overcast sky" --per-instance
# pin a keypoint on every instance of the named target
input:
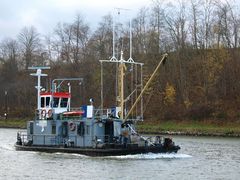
(45, 14)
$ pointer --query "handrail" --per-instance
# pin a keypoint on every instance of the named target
(53, 139)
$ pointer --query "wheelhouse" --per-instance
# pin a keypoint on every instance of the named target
(56, 102)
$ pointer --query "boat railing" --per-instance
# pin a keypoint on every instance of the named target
(70, 141)
(98, 113)
(103, 113)
(48, 114)
(23, 137)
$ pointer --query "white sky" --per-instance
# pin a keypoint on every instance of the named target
(45, 14)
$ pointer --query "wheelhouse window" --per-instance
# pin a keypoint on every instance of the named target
(47, 101)
(42, 102)
(64, 102)
(55, 102)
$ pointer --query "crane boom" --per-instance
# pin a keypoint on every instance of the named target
(146, 86)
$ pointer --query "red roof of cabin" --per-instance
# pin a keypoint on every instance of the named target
(56, 94)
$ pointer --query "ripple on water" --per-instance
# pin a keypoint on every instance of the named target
(7, 147)
(200, 157)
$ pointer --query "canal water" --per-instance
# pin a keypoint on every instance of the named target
(199, 158)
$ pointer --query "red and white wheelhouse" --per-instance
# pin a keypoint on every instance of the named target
(56, 102)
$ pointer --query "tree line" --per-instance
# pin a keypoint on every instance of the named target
(200, 80)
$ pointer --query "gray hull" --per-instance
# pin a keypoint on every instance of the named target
(99, 152)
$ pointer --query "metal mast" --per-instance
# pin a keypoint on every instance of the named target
(38, 87)
(121, 68)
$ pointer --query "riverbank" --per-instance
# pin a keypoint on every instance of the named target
(191, 128)
(170, 127)
(13, 123)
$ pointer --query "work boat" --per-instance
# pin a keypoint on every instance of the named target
(88, 130)
(95, 130)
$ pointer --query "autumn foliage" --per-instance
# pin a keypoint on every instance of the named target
(200, 79)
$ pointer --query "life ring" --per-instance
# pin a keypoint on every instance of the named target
(50, 113)
(43, 113)
(72, 126)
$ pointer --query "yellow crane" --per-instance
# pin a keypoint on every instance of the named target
(146, 86)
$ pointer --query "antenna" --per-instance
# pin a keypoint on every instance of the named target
(113, 58)
(130, 41)
(38, 87)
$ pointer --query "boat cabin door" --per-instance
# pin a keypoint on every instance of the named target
(109, 131)
(64, 132)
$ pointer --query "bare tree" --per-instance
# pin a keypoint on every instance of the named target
(157, 23)
(227, 25)
(9, 48)
(195, 14)
(207, 22)
(101, 41)
(176, 25)
(140, 28)
(71, 40)
(10, 54)
(62, 42)
(29, 41)
(80, 38)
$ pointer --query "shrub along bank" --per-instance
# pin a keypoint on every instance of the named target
(191, 127)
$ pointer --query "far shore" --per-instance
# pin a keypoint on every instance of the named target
(169, 127)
